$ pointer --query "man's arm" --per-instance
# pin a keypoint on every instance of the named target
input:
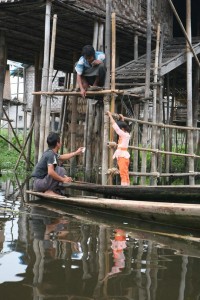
(72, 154)
(79, 81)
(54, 175)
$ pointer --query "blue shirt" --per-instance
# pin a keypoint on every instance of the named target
(83, 64)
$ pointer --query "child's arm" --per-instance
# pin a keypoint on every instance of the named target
(111, 118)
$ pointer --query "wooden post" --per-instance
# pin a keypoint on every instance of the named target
(100, 37)
(74, 116)
(106, 98)
(135, 46)
(50, 81)
(3, 59)
(89, 139)
(45, 73)
(189, 91)
(95, 35)
(147, 88)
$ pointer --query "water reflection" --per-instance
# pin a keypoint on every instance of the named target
(49, 252)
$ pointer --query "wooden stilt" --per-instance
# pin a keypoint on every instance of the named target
(45, 73)
(147, 89)
(189, 90)
(3, 59)
(106, 98)
(50, 80)
(154, 117)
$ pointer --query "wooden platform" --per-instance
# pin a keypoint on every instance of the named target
(181, 193)
(177, 214)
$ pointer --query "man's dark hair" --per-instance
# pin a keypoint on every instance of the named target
(88, 51)
(52, 139)
(124, 125)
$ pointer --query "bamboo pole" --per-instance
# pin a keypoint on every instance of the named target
(106, 98)
(64, 117)
(3, 59)
(154, 118)
(136, 112)
(11, 144)
(112, 106)
(147, 89)
(32, 120)
(89, 138)
(196, 105)
(45, 73)
(36, 105)
(74, 117)
(16, 116)
(88, 93)
(50, 80)
(189, 90)
(159, 124)
(24, 146)
(158, 151)
(14, 133)
(188, 39)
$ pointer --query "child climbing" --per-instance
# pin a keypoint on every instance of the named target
(121, 154)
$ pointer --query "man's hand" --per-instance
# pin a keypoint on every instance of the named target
(83, 92)
(96, 62)
(79, 151)
(67, 179)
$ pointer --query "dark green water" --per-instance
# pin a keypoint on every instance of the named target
(54, 252)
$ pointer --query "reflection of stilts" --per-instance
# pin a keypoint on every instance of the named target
(101, 253)
(38, 268)
(183, 277)
(85, 230)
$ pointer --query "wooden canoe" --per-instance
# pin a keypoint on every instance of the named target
(178, 193)
(176, 214)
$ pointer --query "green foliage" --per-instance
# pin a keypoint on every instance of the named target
(9, 156)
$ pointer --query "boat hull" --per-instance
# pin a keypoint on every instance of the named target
(176, 214)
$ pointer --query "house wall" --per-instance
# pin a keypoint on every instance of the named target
(29, 88)
(133, 13)
(13, 110)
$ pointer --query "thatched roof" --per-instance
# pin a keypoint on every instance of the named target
(23, 22)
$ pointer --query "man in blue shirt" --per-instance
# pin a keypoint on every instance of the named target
(90, 69)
